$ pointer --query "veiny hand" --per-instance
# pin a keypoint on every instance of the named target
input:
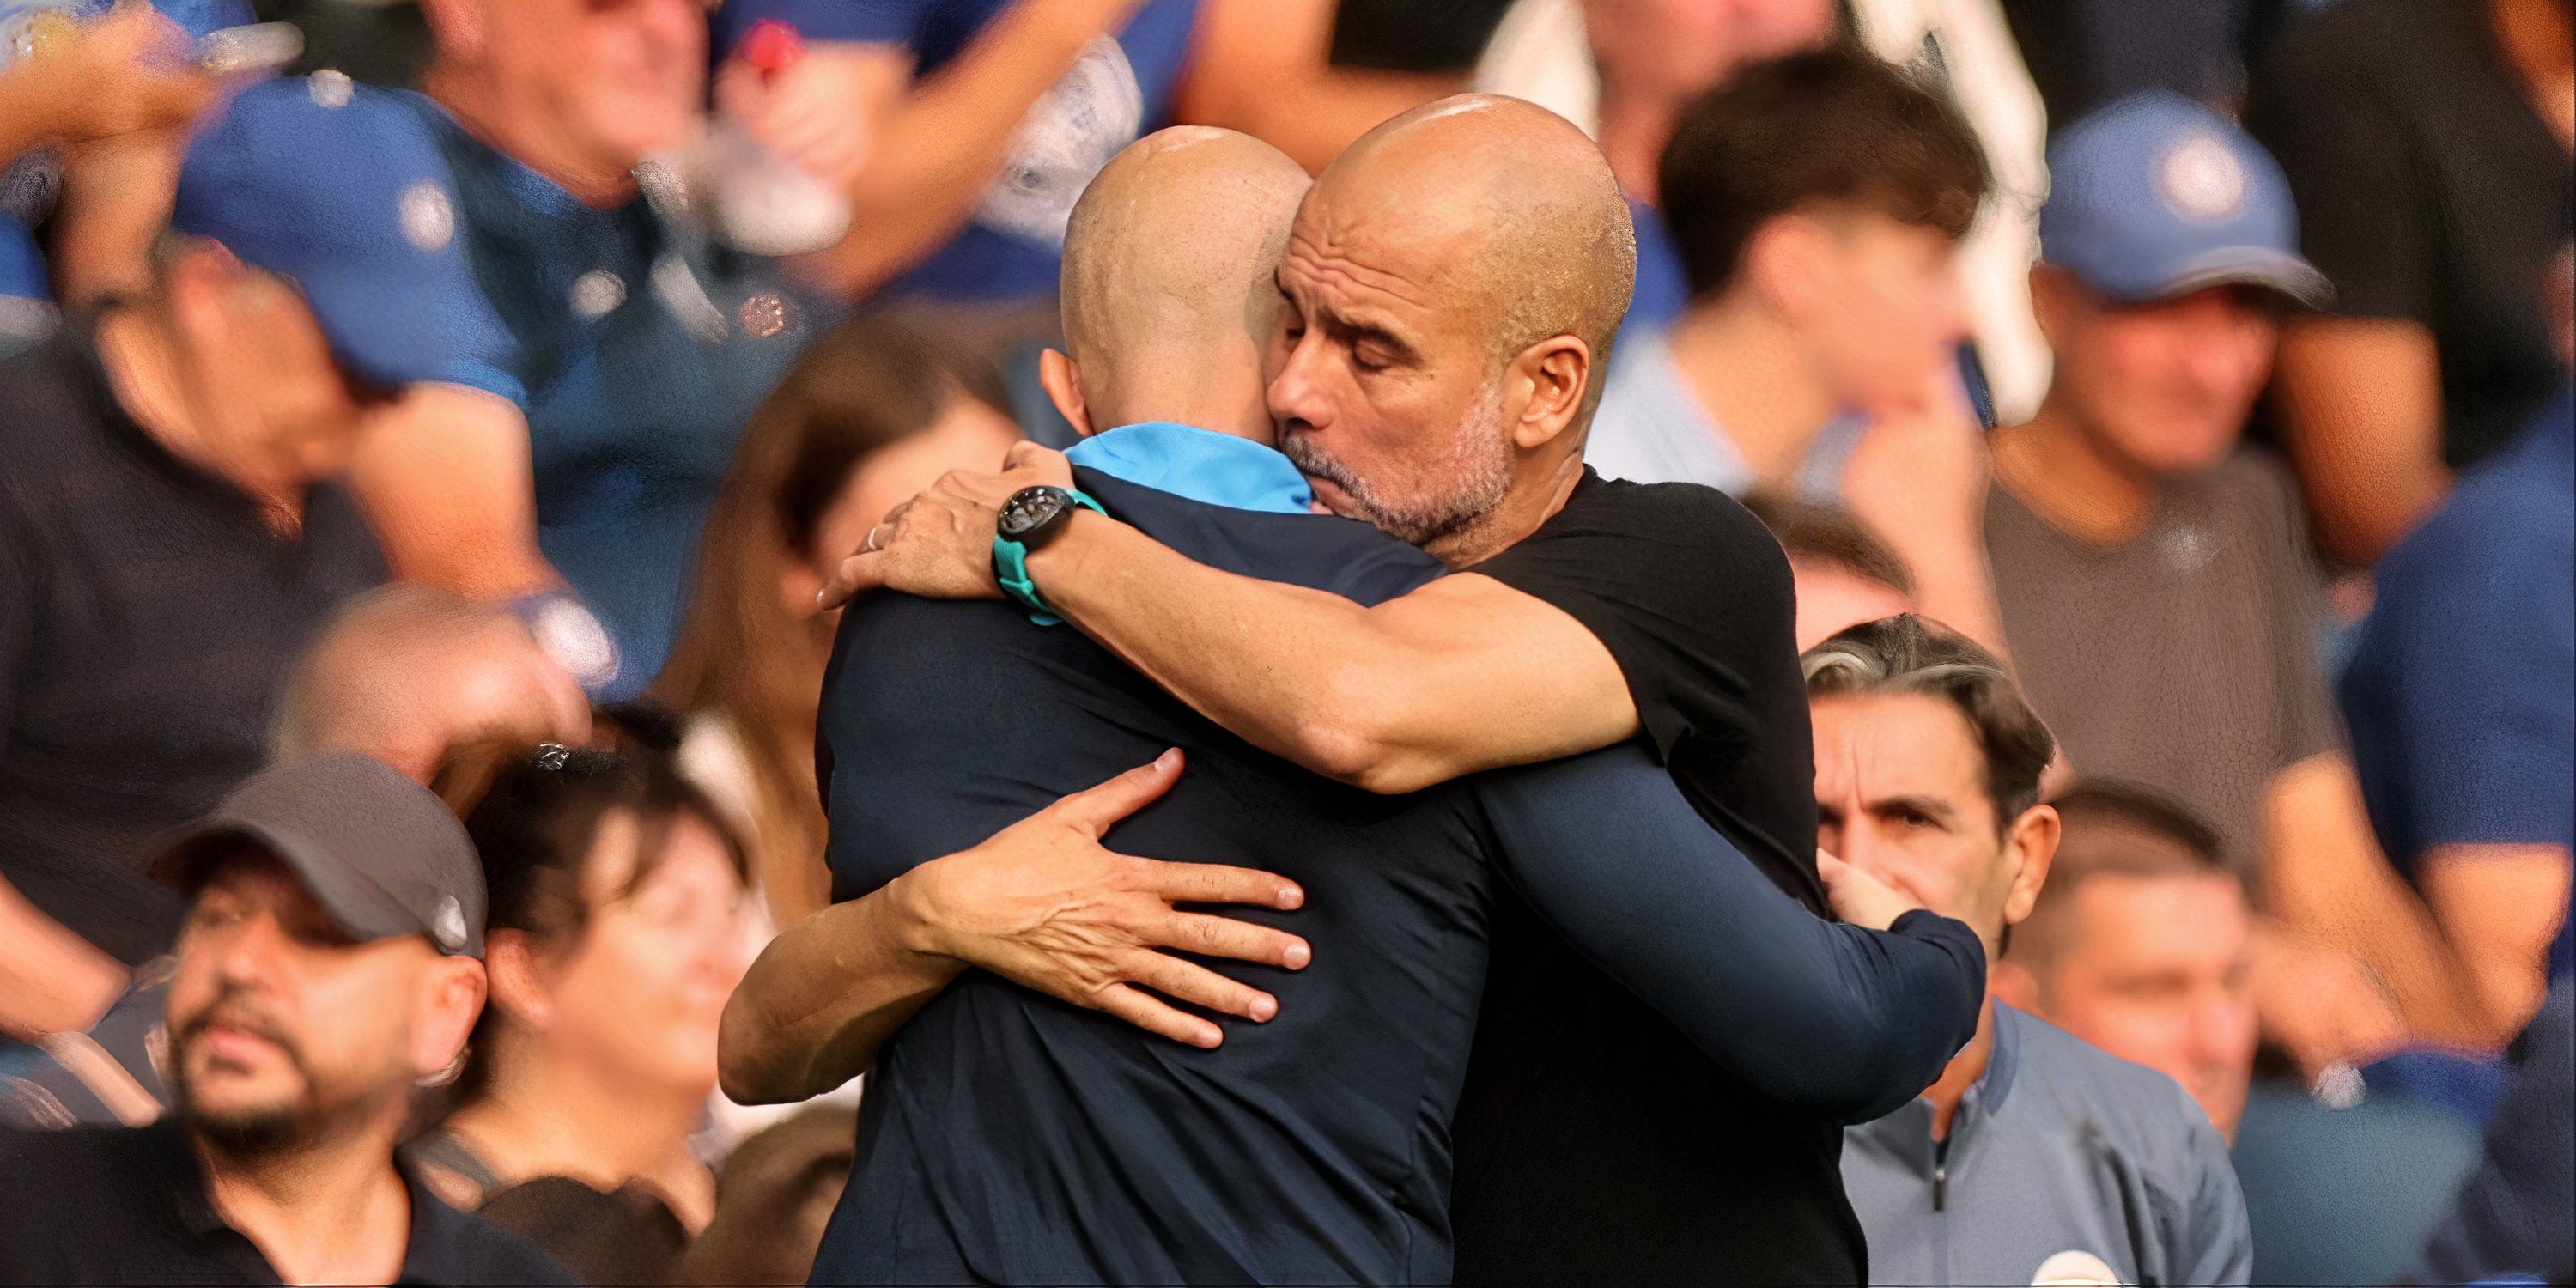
(131, 71)
(1859, 898)
(1044, 906)
(939, 545)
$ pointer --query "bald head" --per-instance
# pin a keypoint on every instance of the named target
(1168, 300)
(1543, 240)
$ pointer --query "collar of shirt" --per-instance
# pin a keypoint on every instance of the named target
(1908, 1131)
(435, 1254)
(1199, 465)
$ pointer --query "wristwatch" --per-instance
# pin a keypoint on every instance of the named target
(1032, 517)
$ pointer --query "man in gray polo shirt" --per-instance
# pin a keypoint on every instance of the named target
(2035, 1159)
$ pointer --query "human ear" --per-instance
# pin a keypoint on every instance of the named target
(510, 956)
(1555, 372)
(2030, 847)
(1063, 385)
(450, 1001)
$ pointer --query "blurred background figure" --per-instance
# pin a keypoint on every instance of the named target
(2462, 698)
(617, 896)
(2155, 576)
(1845, 577)
(2516, 1214)
(2142, 944)
(1817, 202)
(576, 364)
(69, 86)
(773, 1200)
(174, 540)
(407, 673)
(1624, 70)
(872, 415)
(329, 969)
(2429, 145)
(1928, 763)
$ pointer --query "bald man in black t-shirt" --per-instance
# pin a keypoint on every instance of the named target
(1451, 287)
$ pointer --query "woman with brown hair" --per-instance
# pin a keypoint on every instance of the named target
(874, 413)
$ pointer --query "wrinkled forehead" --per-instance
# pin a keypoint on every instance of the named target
(1357, 243)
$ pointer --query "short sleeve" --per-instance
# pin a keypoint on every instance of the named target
(345, 190)
(1683, 585)
(874, 22)
(2319, 105)
(2467, 672)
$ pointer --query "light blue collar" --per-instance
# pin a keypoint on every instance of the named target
(1198, 464)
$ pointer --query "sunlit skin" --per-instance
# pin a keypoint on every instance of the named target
(2164, 389)
(2155, 970)
(281, 1025)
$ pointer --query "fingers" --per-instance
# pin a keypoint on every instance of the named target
(1217, 883)
(1095, 810)
(1199, 986)
(1157, 1017)
(858, 573)
(1050, 465)
(1197, 932)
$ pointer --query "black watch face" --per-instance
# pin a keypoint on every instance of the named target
(1029, 509)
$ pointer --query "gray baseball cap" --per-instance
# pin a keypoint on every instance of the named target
(383, 855)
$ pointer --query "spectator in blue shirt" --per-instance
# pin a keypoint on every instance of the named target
(577, 366)
(2462, 700)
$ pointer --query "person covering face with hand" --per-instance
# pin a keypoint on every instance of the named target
(1927, 783)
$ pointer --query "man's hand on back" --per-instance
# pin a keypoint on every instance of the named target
(1043, 905)
(939, 545)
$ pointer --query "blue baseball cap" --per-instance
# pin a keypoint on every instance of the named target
(2155, 197)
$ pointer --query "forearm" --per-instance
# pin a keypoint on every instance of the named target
(1257, 657)
(448, 482)
(51, 980)
(943, 145)
(1849, 1021)
(2324, 875)
(824, 996)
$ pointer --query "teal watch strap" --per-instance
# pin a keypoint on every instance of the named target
(1011, 568)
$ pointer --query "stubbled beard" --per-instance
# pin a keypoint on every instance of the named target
(258, 1130)
(1470, 479)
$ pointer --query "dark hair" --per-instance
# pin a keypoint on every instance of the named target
(1836, 125)
(1810, 532)
(537, 824)
(2093, 813)
(1904, 654)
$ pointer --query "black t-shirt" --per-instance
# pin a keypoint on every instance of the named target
(1594, 1142)
(110, 1205)
(2429, 190)
(147, 618)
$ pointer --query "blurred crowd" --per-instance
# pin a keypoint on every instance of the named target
(427, 428)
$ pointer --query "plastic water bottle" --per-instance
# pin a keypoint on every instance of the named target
(750, 197)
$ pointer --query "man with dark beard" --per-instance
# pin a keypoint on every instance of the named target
(329, 963)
